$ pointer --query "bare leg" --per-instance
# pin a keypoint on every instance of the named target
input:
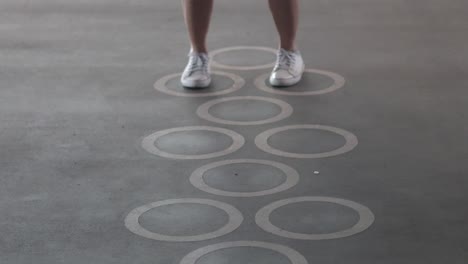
(286, 16)
(197, 15)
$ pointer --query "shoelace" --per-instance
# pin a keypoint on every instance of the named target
(195, 66)
(285, 60)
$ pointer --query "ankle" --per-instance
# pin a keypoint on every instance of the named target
(289, 47)
(199, 50)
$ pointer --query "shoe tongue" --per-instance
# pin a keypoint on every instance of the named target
(196, 60)
(196, 64)
(199, 57)
(284, 58)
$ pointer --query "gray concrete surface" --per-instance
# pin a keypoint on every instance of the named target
(77, 98)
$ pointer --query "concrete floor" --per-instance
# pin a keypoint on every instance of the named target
(77, 101)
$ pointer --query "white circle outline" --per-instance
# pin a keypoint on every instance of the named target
(338, 82)
(235, 220)
(239, 82)
(237, 142)
(294, 256)
(203, 110)
(241, 68)
(261, 141)
(292, 178)
(366, 218)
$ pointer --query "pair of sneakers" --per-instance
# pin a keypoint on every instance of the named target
(288, 69)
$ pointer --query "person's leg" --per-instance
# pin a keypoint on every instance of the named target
(197, 15)
(286, 16)
(289, 65)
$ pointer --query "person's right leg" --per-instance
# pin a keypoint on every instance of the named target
(197, 15)
(289, 66)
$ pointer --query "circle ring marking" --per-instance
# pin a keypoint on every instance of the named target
(160, 85)
(338, 83)
(294, 256)
(262, 142)
(148, 142)
(292, 178)
(241, 68)
(366, 218)
(203, 110)
(132, 223)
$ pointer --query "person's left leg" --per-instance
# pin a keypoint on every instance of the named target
(290, 66)
(286, 16)
(197, 14)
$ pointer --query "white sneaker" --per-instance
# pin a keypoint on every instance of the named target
(197, 73)
(288, 69)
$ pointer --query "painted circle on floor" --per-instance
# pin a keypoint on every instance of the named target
(294, 256)
(203, 110)
(237, 142)
(216, 64)
(235, 220)
(161, 85)
(262, 142)
(338, 82)
(366, 218)
(292, 178)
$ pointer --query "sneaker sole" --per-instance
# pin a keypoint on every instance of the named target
(285, 83)
(196, 84)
